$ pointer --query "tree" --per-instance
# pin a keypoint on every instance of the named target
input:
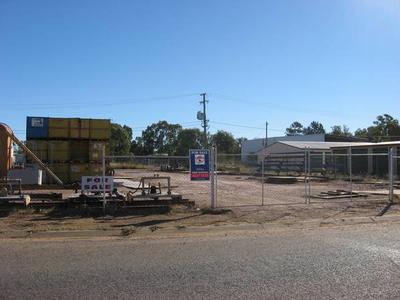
(137, 147)
(225, 142)
(296, 128)
(160, 137)
(120, 139)
(188, 139)
(314, 128)
(128, 131)
(240, 141)
(385, 128)
(338, 130)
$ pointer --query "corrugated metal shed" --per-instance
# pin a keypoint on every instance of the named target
(251, 147)
(320, 145)
(381, 144)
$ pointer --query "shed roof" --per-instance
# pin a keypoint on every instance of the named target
(319, 145)
(381, 144)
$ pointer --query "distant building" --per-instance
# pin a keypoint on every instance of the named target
(367, 158)
(252, 147)
(370, 158)
(288, 156)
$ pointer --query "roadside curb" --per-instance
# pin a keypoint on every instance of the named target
(168, 232)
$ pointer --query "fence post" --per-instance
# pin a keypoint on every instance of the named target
(104, 175)
(391, 175)
(309, 175)
(349, 153)
(262, 179)
(212, 182)
(216, 175)
(305, 175)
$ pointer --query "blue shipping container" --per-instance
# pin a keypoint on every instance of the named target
(37, 128)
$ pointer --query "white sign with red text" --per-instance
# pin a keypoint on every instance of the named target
(95, 183)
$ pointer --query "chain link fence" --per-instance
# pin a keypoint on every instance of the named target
(129, 170)
(280, 179)
(238, 180)
(348, 177)
(396, 179)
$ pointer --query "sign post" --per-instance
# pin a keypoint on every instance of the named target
(104, 176)
(199, 164)
(202, 167)
(212, 172)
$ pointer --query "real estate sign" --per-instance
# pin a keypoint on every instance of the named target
(199, 164)
(95, 183)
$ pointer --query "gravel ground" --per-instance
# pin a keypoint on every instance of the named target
(242, 190)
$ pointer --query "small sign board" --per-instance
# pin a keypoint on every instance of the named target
(95, 183)
(199, 164)
(37, 122)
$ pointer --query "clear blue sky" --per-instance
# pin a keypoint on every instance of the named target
(138, 62)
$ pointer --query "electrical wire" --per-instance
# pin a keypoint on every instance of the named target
(105, 102)
(246, 126)
(274, 105)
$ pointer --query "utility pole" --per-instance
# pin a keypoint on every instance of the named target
(204, 119)
(266, 134)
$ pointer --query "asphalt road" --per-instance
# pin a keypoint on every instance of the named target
(357, 262)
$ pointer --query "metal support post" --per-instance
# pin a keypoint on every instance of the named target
(104, 178)
(305, 175)
(309, 176)
(262, 180)
(212, 182)
(391, 175)
(350, 152)
(216, 175)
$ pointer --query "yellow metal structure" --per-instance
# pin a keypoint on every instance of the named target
(77, 171)
(40, 148)
(79, 151)
(75, 128)
(59, 151)
(59, 128)
(100, 129)
(96, 150)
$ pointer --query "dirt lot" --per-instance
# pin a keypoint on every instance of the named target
(28, 222)
(242, 190)
(240, 195)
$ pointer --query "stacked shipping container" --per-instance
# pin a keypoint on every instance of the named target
(71, 147)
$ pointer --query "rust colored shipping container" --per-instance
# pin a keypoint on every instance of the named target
(76, 128)
(77, 171)
(59, 128)
(79, 128)
(39, 148)
(6, 152)
(100, 129)
(79, 150)
(95, 169)
(61, 170)
(59, 151)
(96, 150)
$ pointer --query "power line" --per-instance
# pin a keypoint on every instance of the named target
(105, 102)
(134, 128)
(140, 128)
(272, 105)
(246, 126)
